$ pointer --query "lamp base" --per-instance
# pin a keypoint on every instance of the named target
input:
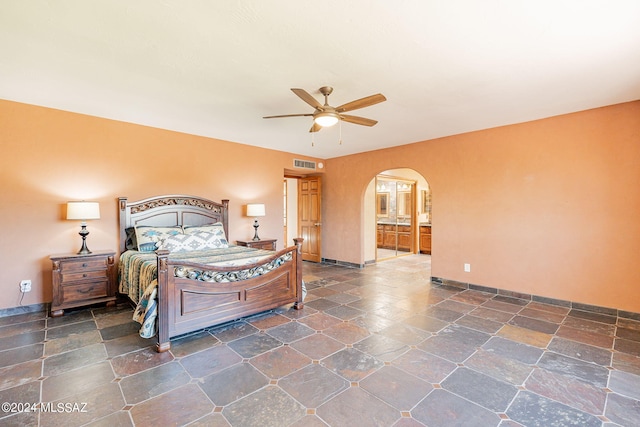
(255, 236)
(84, 250)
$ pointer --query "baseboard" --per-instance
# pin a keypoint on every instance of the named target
(342, 263)
(33, 308)
(536, 298)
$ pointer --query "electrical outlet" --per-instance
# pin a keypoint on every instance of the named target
(25, 286)
(467, 268)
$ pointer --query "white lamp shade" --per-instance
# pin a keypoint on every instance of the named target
(83, 210)
(255, 209)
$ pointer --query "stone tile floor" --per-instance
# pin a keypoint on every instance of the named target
(381, 346)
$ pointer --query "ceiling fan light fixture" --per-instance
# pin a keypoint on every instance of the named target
(326, 119)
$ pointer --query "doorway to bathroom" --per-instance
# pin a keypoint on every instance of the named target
(400, 215)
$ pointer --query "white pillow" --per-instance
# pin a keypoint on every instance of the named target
(216, 229)
(148, 237)
(192, 242)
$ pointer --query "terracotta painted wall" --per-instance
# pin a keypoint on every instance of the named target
(549, 207)
(49, 157)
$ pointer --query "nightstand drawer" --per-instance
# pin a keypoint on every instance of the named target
(81, 292)
(269, 246)
(86, 264)
(74, 276)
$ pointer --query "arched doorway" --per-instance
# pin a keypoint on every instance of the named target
(397, 215)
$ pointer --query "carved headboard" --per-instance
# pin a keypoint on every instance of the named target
(171, 210)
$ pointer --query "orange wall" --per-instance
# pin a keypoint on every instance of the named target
(49, 157)
(549, 207)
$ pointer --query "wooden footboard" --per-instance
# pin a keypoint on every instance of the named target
(222, 294)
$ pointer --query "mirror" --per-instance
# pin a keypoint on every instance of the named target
(404, 203)
(426, 204)
(382, 204)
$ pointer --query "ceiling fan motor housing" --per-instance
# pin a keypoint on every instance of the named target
(326, 90)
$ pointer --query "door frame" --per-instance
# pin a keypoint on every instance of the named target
(413, 246)
(293, 216)
(310, 216)
(370, 225)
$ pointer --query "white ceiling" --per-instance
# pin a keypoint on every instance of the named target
(216, 67)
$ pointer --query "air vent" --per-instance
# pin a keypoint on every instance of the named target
(303, 164)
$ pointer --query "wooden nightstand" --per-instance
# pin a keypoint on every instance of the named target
(83, 280)
(268, 244)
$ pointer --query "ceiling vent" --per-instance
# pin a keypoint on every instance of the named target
(304, 164)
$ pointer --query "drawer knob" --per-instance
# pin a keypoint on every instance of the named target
(85, 264)
(84, 274)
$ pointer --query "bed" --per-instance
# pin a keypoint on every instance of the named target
(187, 288)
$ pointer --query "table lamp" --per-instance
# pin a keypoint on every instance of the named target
(255, 210)
(83, 211)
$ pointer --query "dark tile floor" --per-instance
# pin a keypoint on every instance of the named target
(382, 346)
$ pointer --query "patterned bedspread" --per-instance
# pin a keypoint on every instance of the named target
(138, 276)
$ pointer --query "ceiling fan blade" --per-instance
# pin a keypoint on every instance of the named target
(358, 120)
(315, 128)
(287, 115)
(361, 103)
(306, 97)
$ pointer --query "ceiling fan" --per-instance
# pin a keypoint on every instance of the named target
(326, 115)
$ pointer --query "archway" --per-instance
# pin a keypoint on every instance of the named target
(397, 215)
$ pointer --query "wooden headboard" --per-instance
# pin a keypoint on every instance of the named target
(171, 210)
